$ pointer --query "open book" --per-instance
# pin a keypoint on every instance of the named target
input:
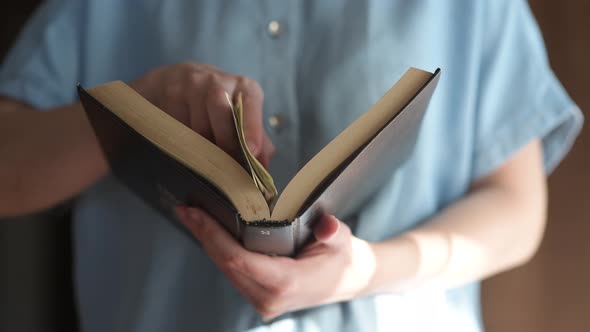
(166, 163)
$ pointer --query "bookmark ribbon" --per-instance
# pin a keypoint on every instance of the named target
(260, 175)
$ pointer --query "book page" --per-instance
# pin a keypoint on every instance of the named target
(346, 143)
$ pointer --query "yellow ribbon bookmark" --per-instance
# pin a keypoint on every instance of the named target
(260, 175)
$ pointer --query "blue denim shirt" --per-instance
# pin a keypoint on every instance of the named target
(324, 64)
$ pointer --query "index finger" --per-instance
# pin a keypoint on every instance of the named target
(252, 97)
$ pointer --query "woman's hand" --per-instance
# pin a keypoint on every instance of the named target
(194, 94)
(497, 225)
(337, 267)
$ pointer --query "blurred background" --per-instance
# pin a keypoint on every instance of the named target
(550, 293)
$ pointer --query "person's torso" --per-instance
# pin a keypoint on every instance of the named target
(325, 65)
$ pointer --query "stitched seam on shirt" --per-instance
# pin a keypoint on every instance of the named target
(55, 11)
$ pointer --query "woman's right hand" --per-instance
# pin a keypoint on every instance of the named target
(194, 94)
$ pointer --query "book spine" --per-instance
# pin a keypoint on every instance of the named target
(263, 237)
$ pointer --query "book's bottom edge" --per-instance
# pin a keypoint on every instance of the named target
(268, 223)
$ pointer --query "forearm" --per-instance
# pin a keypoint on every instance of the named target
(497, 225)
(47, 157)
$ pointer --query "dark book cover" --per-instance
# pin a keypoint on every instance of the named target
(163, 182)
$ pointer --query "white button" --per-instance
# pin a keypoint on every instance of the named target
(276, 121)
(274, 28)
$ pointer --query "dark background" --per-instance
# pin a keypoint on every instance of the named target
(550, 293)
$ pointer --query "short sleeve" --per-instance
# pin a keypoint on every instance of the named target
(42, 68)
(519, 97)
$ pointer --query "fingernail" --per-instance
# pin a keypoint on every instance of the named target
(180, 212)
(253, 147)
(194, 215)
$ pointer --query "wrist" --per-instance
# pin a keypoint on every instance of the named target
(397, 265)
(364, 265)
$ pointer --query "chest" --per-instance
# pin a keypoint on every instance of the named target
(320, 64)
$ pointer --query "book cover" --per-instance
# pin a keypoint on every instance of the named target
(163, 182)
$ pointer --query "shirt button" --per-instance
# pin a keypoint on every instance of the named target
(276, 121)
(274, 29)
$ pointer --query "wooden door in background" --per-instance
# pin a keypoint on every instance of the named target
(552, 292)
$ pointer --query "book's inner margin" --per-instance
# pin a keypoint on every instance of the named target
(262, 179)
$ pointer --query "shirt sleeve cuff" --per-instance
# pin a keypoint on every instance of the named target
(552, 117)
(32, 93)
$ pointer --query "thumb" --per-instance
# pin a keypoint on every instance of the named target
(326, 228)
